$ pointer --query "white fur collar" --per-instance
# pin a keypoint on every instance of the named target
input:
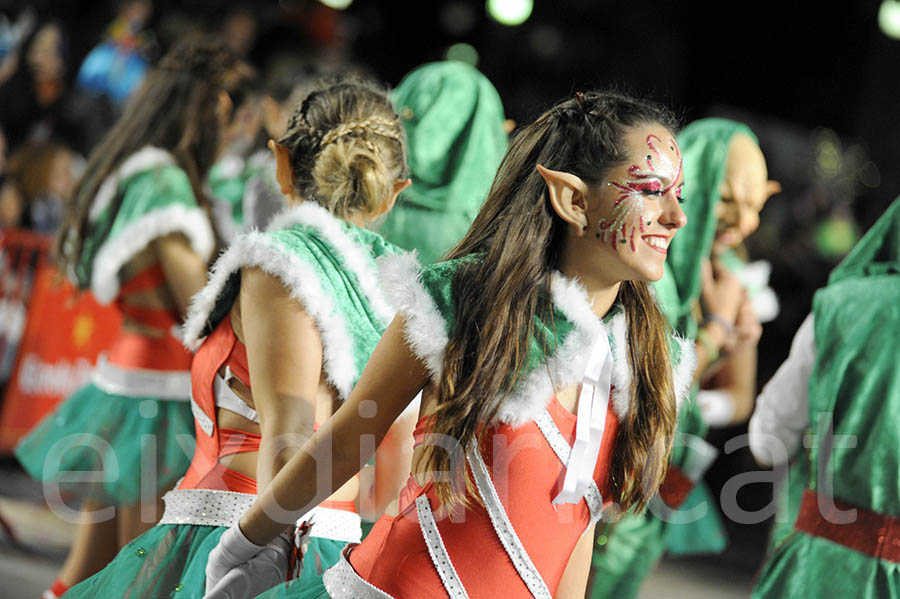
(354, 257)
(426, 334)
(137, 234)
(260, 250)
(144, 159)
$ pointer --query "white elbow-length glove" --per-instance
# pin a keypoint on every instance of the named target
(239, 569)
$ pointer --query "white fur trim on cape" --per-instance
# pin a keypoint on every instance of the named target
(426, 334)
(425, 329)
(144, 159)
(354, 257)
(683, 373)
(136, 235)
(259, 250)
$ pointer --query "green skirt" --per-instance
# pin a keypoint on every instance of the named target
(105, 442)
(808, 566)
(624, 555)
(168, 561)
(631, 548)
(320, 555)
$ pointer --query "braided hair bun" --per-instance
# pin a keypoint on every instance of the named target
(346, 148)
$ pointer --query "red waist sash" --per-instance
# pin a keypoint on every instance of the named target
(675, 488)
(874, 534)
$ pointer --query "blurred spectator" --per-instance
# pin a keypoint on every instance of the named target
(239, 29)
(31, 98)
(45, 174)
(110, 73)
(12, 203)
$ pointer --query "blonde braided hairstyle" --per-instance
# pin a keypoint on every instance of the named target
(346, 147)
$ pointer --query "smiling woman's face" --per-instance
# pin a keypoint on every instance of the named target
(637, 210)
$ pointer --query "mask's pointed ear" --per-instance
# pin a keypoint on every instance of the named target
(772, 187)
(283, 172)
(568, 196)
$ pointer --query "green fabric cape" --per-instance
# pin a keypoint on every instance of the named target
(328, 266)
(453, 119)
(854, 387)
(156, 200)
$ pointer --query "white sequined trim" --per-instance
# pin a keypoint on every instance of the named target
(337, 525)
(205, 507)
(172, 385)
(205, 422)
(439, 556)
(555, 439)
(342, 582)
(504, 528)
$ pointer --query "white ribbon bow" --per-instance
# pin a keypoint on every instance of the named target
(593, 403)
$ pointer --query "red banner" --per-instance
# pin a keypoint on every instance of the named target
(50, 335)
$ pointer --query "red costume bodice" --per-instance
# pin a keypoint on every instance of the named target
(526, 472)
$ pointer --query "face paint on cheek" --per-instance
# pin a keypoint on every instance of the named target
(621, 227)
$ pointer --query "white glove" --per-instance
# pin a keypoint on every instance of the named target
(237, 567)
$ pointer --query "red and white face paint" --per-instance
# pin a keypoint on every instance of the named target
(654, 175)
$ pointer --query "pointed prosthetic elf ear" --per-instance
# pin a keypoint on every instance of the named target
(568, 196)
(284, 174)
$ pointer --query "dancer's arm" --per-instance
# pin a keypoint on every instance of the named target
(380, 484)
(185, 271)
(782, 409)
(728, 393)
(573, 584)
(391, 379)
(284, 355)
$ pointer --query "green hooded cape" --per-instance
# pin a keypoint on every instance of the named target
(453, 119)
(855, 384)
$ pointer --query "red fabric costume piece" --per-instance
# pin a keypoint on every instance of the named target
(133, 350)
(527, 475)
(675, 488)
(871, 533)
(221, 348)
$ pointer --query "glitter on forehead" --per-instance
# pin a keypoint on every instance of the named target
(621, 227)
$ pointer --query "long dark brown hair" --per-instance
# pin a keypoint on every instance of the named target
(498, 297)
(175, 109)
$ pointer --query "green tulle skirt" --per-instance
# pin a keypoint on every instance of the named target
(628, 550)
(115, 442)
(168, 561)
(704, 535)
(320, 555)
(623, 556)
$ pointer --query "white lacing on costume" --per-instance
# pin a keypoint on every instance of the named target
(342, 582)
(228, 399)
(337, 525)
(504, 528)
(439, 556)
(173, 385)
(205, 507)
(558, 443)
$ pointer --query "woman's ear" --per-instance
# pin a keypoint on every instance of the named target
(399, 185)
(568, 196)
(283, 172)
